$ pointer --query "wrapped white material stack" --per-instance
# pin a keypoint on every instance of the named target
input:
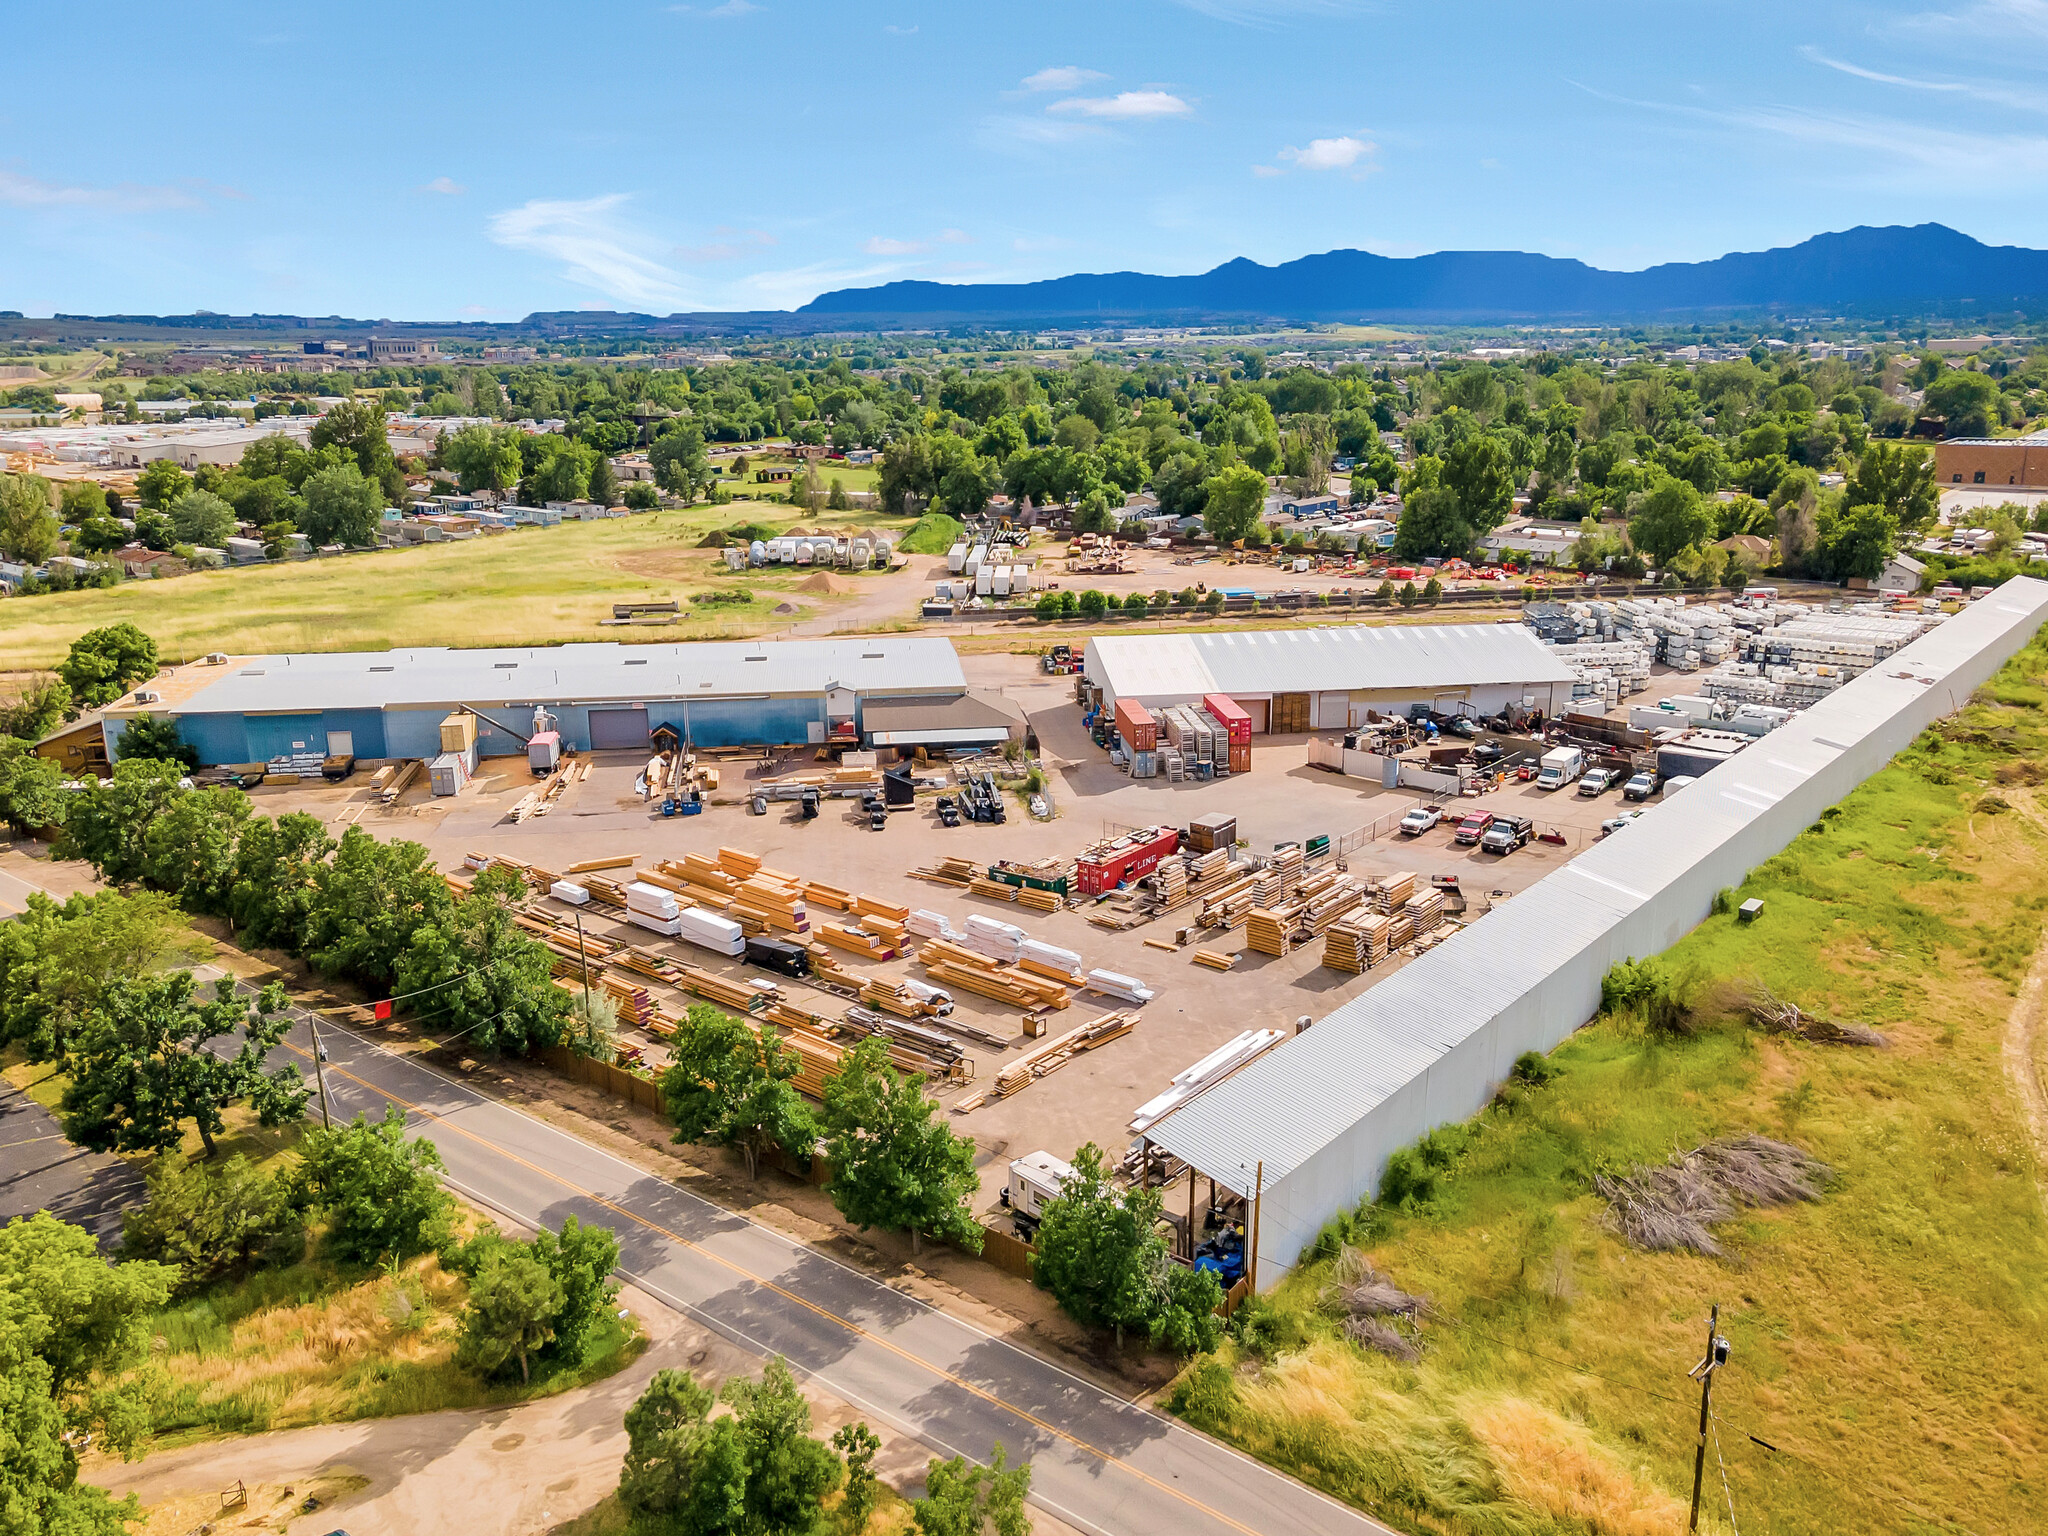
(707, 930)
(651, 907)
(1205, 1074)
(1050, 955)
(926, 993)
(1111, 984)
(930, 925)
(569, 891)
(997, 940)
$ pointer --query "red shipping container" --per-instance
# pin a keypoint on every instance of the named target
(1137, 727)
(1225, 711)
(1240, 757)
(1132, 858)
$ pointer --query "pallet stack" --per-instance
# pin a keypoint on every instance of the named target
(1356, 942)
(1279, 877)
(1425, 911)
(1330, 903)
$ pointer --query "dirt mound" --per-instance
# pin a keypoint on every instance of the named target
(825, 581)
(784, 610)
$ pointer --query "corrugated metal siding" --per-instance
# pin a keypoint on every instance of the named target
(1430, 1043)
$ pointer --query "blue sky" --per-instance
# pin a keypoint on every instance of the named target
(449, 161)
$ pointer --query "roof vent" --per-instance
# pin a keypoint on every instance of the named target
(504, 666)
(148, 696)
(753, 658)
(383, 669)
(636, 661)
(870, 655)
(250, 672)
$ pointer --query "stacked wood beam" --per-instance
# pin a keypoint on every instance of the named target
(1390, 893)
(951, 871)
(1357, 942)
(1050, 1055)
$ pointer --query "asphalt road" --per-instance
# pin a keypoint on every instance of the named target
(1098, 1462)
(41, 1171)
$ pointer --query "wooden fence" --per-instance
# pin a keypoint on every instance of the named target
(1009, 1254)
(617, 1082)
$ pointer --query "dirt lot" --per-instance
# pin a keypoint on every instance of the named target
(1195, 1009)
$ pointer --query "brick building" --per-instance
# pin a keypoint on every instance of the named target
(1992, 461)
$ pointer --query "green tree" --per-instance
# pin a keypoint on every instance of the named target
(1092, 604)
(1047, 608)
(684, 1468)
(486, 458)
(604, 481)
(107, 822)
(1898, 478)
(43, 702)
(103, 662)
(271, 899)
(1672, 517)
(728, 1085)
(836, 499)
(377, 1189)
(200, 517)
(32, 794)
(357, 429)
(1135, 605)
(1235, 502)
(1967, 401)
(894, 1163)
(1097, 1252)
(581, 1260)
(679, 462)
(1433, 591)
(190, 849)
(141, 1065)
(483, 978)
(1408, 595)
(56, 961)
(1433, 522)
(564, 475)
(369, 901)
(857, 1445)
(160, 483)
(510, 1316)
(342, 507)
(154, 738)
(1480, 470)
(211, 1220)
(28, 524)
(788, 1473)
(1853, 541)
(965, 1500)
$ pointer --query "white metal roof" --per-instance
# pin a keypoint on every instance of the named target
(1378, 656)
(1292, 1102)
(580, 674)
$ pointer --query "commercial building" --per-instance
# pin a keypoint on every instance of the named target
(1291, 680)
(378, 704)
(1307, 1130)
(1992, 461)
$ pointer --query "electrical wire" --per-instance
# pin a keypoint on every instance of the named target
(1714, 1424)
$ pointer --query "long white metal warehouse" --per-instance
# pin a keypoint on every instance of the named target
(1292, 680)
(1431, 1043)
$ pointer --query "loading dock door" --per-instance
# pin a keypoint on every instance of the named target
(1257, 709)
(341, 744)
(1290, 713)
(618, 729)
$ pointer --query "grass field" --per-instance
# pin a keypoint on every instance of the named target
(531, 585)
(1886, 1340)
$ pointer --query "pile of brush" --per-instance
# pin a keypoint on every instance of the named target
(1377, 1313)
(1676, 1205)
(1768, 1011)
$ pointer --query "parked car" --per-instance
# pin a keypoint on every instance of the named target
(1641, 787)
(1597, 781)
(1458, 725)
(1421, 819)
(1614, 824)
(1507, 834)
(1488, 752)
(1472, 828)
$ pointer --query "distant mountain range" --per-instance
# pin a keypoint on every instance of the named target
(1917, 270)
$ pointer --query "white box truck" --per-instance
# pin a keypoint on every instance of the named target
(1559, 767)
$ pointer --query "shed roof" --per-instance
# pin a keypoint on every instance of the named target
(1289, 1104)
(579, 674)
(1392, 656)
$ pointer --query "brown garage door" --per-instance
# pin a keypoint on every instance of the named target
(1259, 710)
(1290, 713)
(618, 728)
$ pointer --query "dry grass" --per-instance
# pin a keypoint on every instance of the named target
(1555, 1466)
(1678, 1204)
(271, 1508)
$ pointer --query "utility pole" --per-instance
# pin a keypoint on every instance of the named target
(319, 1076)
(584, 955)
(1715, 1357)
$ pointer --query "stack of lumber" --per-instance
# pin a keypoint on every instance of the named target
(953, 966)
(610, 861)
(635, 1004)
(994, 940)
(1391, 893)
(1170, 885)
(826, 967)
(561, 937)
(994, 890)
(1425, 910)
(789, 1016)
(770, 903)
(1051, 962)
(684, 895)
(1332, 902)
(885, 919)
(1282, 875)
(400, 782)
(645, 962)
(1356, 942)
(738, 863)
(610, 892)
(818, 1060)
(898, 999)
(1039, 901)
(930, 925)
(817, 893)
(855, 938)
(1266, 931)
(1216, 960)
(719, 989)
(1400, 929)
(913, 1047)
(1206, 871)
(702, 880)
(960, 872)
(1228, 904)
(1050, 1056)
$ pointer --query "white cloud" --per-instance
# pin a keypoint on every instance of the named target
(444, 186)
(955, 237)
(795, 286)
(1022, 134)
(1997, 19)
(22, 191)
(1125, 104)
(1267, 170)
(896, 31)
(596, 249)
(2023, 100)
(1338, 154)
(1063, 77)
(882, 245)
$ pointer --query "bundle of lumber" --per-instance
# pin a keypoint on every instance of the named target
(644, 962)
(1170, 885)
(1206, 870)
(610, 892)
(738, 863)
(1356, 942)
(1400, 929)
(1330, 903)
(1280, 876)
(769, 903)
(789, 1016)
(897, 999)
(1037, 900)
(746, 997)
(1214, 959)
(1050, 1056)
(1228, 904)
(954, 966)
(1391, 892)
(994, 890)
(633, 1001)
(854, 937)
(818, 1060)
(916, 1047)
(1425, 911)
(1050, 962)
(1266, 931)
(817, 893)
(954, 871)
(826, 968)
(702, 878)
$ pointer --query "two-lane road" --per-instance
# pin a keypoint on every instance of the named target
(1098, 1462)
